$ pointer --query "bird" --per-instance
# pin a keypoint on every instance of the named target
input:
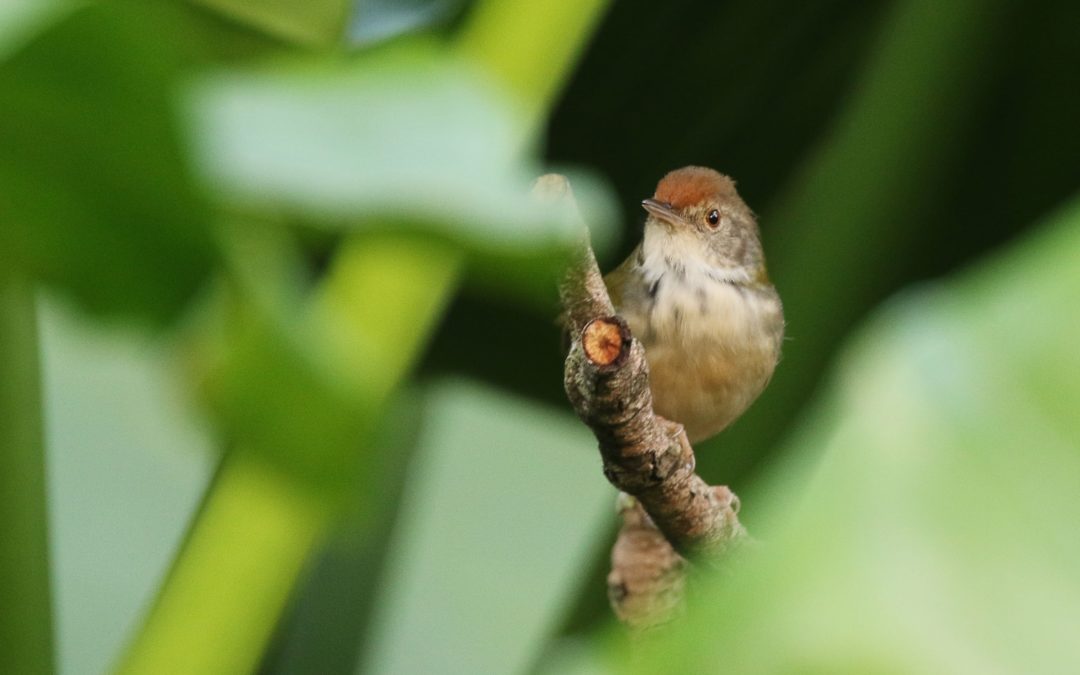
(696, 293)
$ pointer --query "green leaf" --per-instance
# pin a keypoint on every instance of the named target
(22, 20)
(937, 533)
(407, 140)
(94, 193)
(504, 505)
(128, 464)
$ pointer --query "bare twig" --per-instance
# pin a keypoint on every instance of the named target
(644, 455)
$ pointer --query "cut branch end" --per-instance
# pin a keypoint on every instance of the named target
(605, 340)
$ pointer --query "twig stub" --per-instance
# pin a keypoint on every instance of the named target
(605, 340)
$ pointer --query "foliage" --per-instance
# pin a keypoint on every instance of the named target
(258, 234)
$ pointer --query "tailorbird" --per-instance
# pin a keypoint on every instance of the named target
(696, 294)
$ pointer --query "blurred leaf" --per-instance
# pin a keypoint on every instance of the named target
(22, 20)
(273, 386)
(502, 509)
(312, 22)
(128, 463)
(407, 141)
(938, 532)
(94, 194)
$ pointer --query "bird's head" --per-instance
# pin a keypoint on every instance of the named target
(697, 213)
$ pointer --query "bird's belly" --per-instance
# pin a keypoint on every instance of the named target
(709, 356)
(705, 387)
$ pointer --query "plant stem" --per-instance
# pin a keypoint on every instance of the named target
(260, 523)
(223, 598)
(530, 46)
(26, 643)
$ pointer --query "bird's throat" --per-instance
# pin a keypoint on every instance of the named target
(683, 256)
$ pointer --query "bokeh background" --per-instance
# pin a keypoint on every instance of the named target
(280, 378)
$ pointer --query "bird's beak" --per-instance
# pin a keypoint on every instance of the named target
(662, 210)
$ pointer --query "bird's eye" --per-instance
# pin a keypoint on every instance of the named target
(713, 218)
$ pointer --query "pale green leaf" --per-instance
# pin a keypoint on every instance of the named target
(407, 141)
(504, 506)
(938, 531)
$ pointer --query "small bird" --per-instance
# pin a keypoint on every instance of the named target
(695, 292)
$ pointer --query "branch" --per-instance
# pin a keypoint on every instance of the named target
(644, 455)
(647, 578)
